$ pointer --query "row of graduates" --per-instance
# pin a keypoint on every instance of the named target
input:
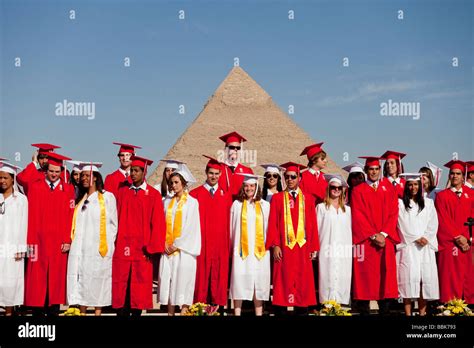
(192, 231)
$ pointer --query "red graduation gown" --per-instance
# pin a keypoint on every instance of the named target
(29, 175)
(399, 188)
(230, 181)
(49, 226)
(115, 181)
(374, 268)
(141, 226)
(293, 281)
(314, 186)
(455, 267)
(213, 263)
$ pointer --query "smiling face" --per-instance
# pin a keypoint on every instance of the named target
(335, 190)
(413, 188)
(233, 151)
(85, 179)
(249, 190)
(212, 176)
(373, 173)
(125, 159)
(392, 167)
(271, 179)
(6, 181)
(53, 173)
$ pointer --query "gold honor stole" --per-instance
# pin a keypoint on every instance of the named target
(291, 240)
(173, 228)
(103, 233)
(259, 238)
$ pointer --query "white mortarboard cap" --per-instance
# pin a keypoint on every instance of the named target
(173, 164)
(436, 172)
(335, 178)
(272, 168)
(183, 169)
(411, 176)
(355, 167)
(90, 166)
(9, 168)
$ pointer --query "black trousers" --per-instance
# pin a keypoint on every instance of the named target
(126, 310)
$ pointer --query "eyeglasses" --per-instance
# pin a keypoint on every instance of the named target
(84, 207)
(2, 208)
(337, 188)
(292, 177)
(231, 147)
(269, 176)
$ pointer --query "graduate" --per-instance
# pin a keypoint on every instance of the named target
(356, 177)
(470, 175)
(141, 233)
(455, 260)
(36, 170)
(430, 180)
(94, 228)
(121, 177)
(293, 236)
(250, 275)
(392, 169)
(50, 210)
(374, 207)
(75, 179)
(273, 180)
(335, 238)
(417, 226)
(233, 150)
(213, 262)
(312, 180)
(13, 230)
(164, 187)
(183, 244)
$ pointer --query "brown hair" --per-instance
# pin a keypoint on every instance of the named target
(164, 184)
(429, 174)
(321, 154)
(342, 198)
(242, 197)
(183, 182)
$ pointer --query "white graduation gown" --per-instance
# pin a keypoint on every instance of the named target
(177, 275)
(89, 275)
(417, 264)
(13, 231)
(335, 255)
(249, 275)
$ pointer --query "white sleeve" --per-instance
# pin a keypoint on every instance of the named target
(190, 239)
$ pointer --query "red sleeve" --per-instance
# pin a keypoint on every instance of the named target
(32, 238)
(312, 226)
(25, 177)
(158, 227)
(447, 228)
(390, 225)
(273, 235)
(361, 227)
(69, 212)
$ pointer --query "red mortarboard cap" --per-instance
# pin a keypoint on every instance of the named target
(45, 148)
(456, 164)
(371, 161)
(127, 147)
(292, 167)
(140, 162)
(213, 163)
(470, 166)
(232, 137)
(312, 150)
(392, 154)
(57, 159)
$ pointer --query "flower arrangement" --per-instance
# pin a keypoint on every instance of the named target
(201, 310)
(455, 307)
(331, 309)
(71, 311)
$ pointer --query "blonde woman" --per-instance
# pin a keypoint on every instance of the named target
(250, 274)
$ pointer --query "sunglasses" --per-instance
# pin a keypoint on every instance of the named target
(84, 207)
(269, 176)
(292, 177)
(231, 147)
(337, 188)
(2, 208)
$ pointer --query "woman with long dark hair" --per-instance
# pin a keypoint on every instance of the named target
(417, 227)
(94, 228)
(356, 177)
(273, 182)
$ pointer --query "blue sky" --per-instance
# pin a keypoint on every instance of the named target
(297, 62)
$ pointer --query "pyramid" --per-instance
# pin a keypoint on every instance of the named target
(241, 104)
